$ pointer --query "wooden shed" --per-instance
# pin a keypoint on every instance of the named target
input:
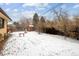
(4, 18)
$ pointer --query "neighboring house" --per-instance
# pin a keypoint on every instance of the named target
(4, 18)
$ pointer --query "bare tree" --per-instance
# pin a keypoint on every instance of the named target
(62, 17)
(77, 26)
(24, 22)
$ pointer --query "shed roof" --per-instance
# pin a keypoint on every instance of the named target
(3, 12)
(31, 25)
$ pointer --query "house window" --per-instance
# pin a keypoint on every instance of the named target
(1, 23)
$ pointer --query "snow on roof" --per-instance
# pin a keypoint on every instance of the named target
(31, 25)
(10, 23)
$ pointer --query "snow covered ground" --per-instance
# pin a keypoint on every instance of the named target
(34, 44)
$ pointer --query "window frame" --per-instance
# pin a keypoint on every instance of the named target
(2, 25)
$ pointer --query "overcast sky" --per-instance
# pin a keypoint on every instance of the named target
(17, 10)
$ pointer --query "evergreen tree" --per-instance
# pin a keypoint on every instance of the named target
(42, 19)
(35, 20)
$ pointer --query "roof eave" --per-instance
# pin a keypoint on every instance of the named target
(3, 12)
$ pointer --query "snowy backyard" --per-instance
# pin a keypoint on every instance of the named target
(34, 44)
